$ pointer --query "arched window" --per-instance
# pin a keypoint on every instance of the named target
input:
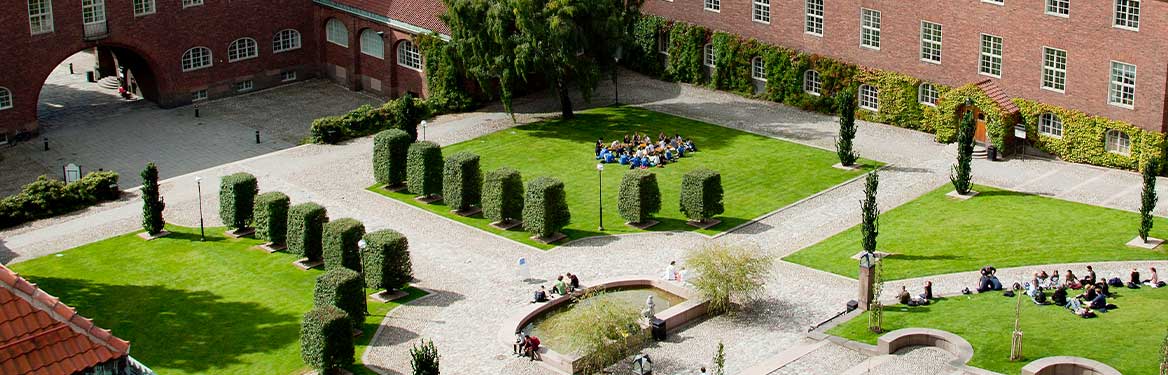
(5, 98)
(927, 94)
(196, 58)
(811, 83)
(408, 55)
(242, 49)
(869, 98)
(758, 69)
(1050, 124)
(1117, 142)
(336, 33)
(372, 44)
(708, 55)
(286, 40)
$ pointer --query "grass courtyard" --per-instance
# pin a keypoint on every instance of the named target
(1128, 338)
(935, 234)
(759, 174)
(191, 307)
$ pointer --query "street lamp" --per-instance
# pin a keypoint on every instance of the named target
(616, 74)
(199, 186)
(423, 130)
(600, 184)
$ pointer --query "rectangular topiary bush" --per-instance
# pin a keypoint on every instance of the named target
(271, 218)
(237, 194)
(503, 196)
(701, 194)
(326, 339)
(305, 229)
(342, 287)
(639, 196)
(341, 238)
(545, 211)
(424, 169)
(389, 156)
(462, 181)
(386, 260)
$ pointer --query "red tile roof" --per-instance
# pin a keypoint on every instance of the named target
(998, 95)
(421, 13)
(40, 335)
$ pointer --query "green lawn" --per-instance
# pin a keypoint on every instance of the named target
(935, 234)
(759, 174)
(1127, 338)
(191, 307)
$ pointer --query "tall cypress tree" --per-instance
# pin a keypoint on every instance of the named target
(1148, 199)
(871, 212)
(846, 105)
(962, 175)
(152, 203)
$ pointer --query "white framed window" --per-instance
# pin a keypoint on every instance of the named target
(991, 56)
(869, 98)
(995, 2)
(1051, 125)
(762, 11)
(288, 76)
(813, 17)
(1122, 89)
(5, 98)
(869, 28)
(40, 16)
(196, 58)
(372, 44)
(199, 95)
(931, 34)
(92, 11)
(1060, 8)
(408, 55)
(242, 49)
(1117, 142)
(191, 3)
(708, 55)
(811, 83)
(663, 43)
(336, 32)
(1127, 14)
(712, 5)
(1054, 69)
(143, 7)
(242, 86)
(927, 94)
(758, 69)
(286, 40)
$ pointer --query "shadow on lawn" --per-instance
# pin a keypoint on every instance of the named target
(179, 329)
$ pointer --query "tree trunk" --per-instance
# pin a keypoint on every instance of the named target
(565, 100)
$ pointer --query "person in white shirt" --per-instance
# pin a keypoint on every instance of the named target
(671, 271)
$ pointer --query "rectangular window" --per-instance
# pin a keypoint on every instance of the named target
(191, 3)
(991, 56)
(713, 5)
(143, 7)
(1054, 69)
(813, 22)
(1061, 8)
(869, 98)
(92, 11)
(762, 11)
(663, 43)
(1127, 14)
(869, 28)
(40, 16)
(199, 95)
(1123, 85)
(931, 42)
(247, 85)
(288, 76)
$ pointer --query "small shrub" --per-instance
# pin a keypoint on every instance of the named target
(407, 114)
(237, 194)
(152, 202)
(701, 194)
(386, 260)
(389, 156)
(639, 196)
(271, 217)
(462, 181)
(47, 197)
(728, 273)
(326, 338)
(503, 195)
(341, 239)
(424, 358)
(545, 209)
(305, 230)
(598, 326)
(424, 168)
(342, 287)
(328, 130)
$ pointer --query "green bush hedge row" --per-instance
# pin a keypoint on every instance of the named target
(462, 181)
(545, 209)
(237, 193)
(386, 260)
(402, 113)
(326, 338)
(424, 168)
(47, 197)
(341, 238)
(305, 230)
(503, 195)
(343, 288)
(701, 194)
(271, 217)
(389, 156)
(639, 195)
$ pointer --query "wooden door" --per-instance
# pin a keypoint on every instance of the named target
(979, 133)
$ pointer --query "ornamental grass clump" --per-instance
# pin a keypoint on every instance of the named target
(728, 274)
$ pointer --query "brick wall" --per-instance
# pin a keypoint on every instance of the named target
(365, 72)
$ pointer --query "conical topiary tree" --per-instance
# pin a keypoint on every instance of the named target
(962, 175)
(846, 105)
(152, 202)
(1148, 199)
(870, 226)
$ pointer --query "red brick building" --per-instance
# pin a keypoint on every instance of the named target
(182, 51)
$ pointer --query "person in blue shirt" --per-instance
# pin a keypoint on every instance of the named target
(608, 156)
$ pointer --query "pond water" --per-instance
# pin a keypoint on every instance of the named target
(632, 297)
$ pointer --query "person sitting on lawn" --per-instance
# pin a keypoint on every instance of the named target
(1135, 277)
(1089, 293)
(903, 296)
(1060, 296)
(928, 294)
(1053, 281)
(1040, 279)
(599, 146)
(1100, 301)
(1077, 308)
(560, 288)
(1070, 281)
(609, 157)
(1090, 278)
(1155, 280)
(540, 295)
(1104, 287)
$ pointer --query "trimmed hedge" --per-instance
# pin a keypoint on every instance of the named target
(305, 230)
(386, 260)
(343, 288)
(503, 195)
(271, 217)
(326, 338)
(639, 196)
(152, 202)
(701, 194)
(462, 181)
(237, 193)
(341, 249)
(47, 197)
(389, 156)
(402, 113)
(424, 168)
(545, 211)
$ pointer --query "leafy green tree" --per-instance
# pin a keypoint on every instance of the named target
(846, 104)
(871, 213)
(152, 202)
(962, 175)
(1148, 198)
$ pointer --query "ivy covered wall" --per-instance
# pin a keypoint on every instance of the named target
(1083, 137)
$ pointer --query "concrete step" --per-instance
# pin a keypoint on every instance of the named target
(108, 83)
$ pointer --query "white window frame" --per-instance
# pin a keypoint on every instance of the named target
(189, 56)
(191, 3)
(199, 95)
(6, 99)
(813, 17)
(1117, 142)
(812, 82)
(144, 8)
(870, 29)
(288, 76)
(712, 5)
(245, 86)
(1130, 12)
(44, 18)
(995, 2)
(1054, 69)
(663, 43)
(1118, 86)
(333, 29)
(243, 49)
(1058, 8)
(408, 56)
(869, 98)
(1050, 125)
(758, 70)
(761, 11)
(372, 44)
(927, 94)
(286, 40)
(928, 45)
(92, 12)
(709, 60)
(990, 57)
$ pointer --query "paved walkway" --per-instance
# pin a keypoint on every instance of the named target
(476, 287)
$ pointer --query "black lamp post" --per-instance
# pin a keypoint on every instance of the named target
(199, 186)
(600, 185)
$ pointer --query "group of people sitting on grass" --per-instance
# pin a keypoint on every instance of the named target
(1092, 299)
(565, 284)
(641, 151)
(920, 300)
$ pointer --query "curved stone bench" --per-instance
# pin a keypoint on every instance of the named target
(893, 341)
(1066, 365)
